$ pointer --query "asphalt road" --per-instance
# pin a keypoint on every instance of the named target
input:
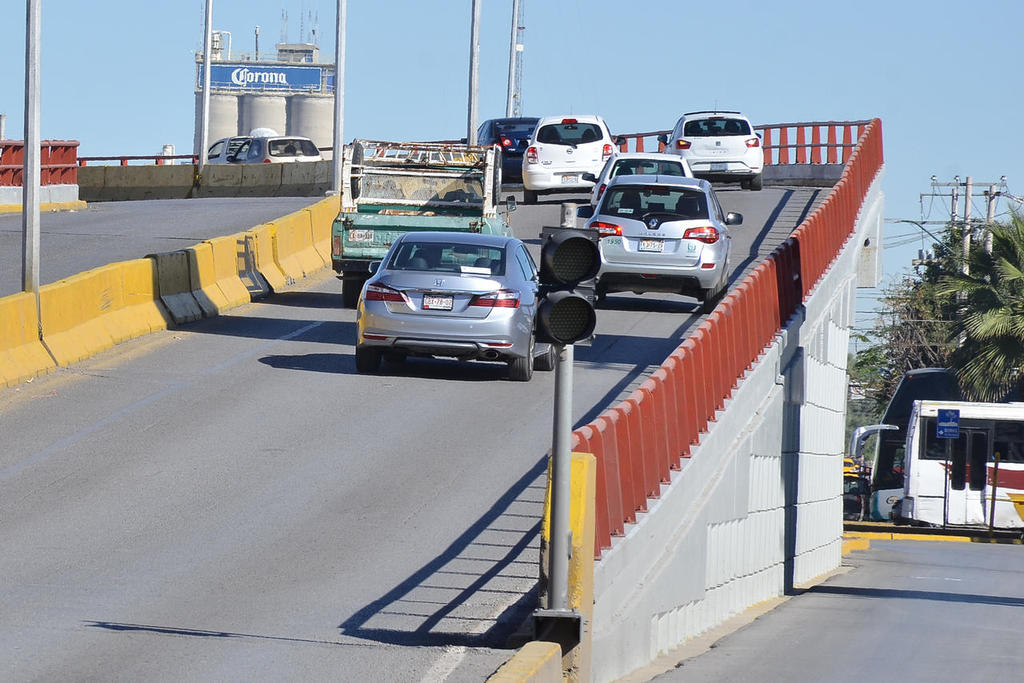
(905, 611)
(74, 241)
(229, 500)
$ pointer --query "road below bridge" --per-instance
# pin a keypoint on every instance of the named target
(229, 500)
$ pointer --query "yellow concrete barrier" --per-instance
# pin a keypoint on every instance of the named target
(229, 261)
(295, 252)
(22, 355)
(142, 311)
(203, 280)
(536, 662)
(322, 215)
(263, 237)
(174, 286)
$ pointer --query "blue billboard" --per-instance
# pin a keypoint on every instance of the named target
(252, 77)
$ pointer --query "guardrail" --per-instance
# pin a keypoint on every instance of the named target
(58, 162)
(639, 441)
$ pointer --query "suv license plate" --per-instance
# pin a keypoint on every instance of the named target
(437, 303)
(652, 245)
(719, 167)
(570, 179)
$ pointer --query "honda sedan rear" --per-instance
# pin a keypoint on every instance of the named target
(461, 295)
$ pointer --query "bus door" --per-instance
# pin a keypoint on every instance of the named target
(967, 476)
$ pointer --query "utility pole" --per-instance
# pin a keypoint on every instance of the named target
(32, 168)
(990, 218)
(337, 156)
(204, 124)
(513, 106)
(474, 72)
(967, 228)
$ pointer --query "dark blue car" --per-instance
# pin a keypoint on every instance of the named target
(513, 136)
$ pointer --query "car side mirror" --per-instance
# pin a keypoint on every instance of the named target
(733, 218)
(373, 267)
(620, 140)
(589, 177)
(663, 139)
(510, 203)
(585, 211)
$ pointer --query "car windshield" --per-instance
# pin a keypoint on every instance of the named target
(470, 259)
(633, 201)
(715, 127)
(647, 167)
(569, 132)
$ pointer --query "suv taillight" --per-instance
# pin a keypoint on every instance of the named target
(682, 144)
(606, 229)
(505, 142)
(753, 142)
(503, 298)
(606, 151)
(706, 234)
(531, 155)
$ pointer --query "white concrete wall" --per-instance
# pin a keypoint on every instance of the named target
(758, 506)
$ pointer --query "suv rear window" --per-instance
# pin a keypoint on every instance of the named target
(633, 201)
(569, 133)
(514, 128)
(717, 126)
(292, 148)
(646, 167)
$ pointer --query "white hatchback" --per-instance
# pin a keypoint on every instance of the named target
(561, 150)
(637, 163)
(720, 146)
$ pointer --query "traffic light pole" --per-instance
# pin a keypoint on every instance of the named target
(561, 485)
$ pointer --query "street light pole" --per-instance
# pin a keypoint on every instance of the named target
(32, 167)
(204, 125)
(339, 96)
(474, 72)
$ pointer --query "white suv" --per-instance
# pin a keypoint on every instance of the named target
(719, 146)
(561, 150)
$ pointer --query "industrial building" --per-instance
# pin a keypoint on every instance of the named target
(292, 94)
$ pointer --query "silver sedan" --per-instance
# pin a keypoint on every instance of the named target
(462, 295)
(663, 234)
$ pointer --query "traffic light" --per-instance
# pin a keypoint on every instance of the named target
(565, 315)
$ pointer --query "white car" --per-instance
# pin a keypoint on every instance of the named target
(561, 150)
(720, 146)
(275, 150)
(224, 150)
(637, 163)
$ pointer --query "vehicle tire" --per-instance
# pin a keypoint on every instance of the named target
(711, 297)
(350, 288)
(546, 361)
(756, 182)
(367, 359)
(529, 196)
(521, 369)
(745, 184)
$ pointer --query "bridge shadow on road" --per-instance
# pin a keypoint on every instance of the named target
(478, 590)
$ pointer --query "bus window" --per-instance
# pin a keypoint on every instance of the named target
(889, 474)
(979, 456)
(933, 447)
(958, 463)
(1009, 441)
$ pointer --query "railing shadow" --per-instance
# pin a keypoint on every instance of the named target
(452, 600)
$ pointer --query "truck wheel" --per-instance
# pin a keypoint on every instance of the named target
(367, 359)
(756, 182)
(529, 196)
(350, 289)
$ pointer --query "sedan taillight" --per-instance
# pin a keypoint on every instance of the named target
(382, 293)
(531, 155)
(606, 229)
(706, 234)
(503, 298)
(753, 142)
(682, 144)
(606, 151)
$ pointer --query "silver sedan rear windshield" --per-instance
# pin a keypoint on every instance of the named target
(715, 127)
(633, 201)
(449, 257)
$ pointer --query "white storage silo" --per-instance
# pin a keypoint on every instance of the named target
(263, 111)
(223, 118)
(312, 116)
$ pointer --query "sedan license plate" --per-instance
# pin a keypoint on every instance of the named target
(570, 179)
(719, 167)
(652, 245)
(360, 235)
(433, 302)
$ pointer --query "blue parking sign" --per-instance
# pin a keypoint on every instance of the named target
(947, 426)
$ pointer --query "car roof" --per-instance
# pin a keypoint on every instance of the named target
(668, 180)
(580, 118)
(515, 119)
(463, 237)
(714, 112)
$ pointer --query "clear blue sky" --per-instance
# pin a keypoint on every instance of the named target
(118, 75)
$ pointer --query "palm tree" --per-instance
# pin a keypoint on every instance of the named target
(989, 360)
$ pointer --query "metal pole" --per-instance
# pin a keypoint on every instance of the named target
(32, 167)
(967, 228)
(339, 97)
(945, 490)
(474, 72)
(513, 41)
(992, 505)
(990, 217)
(561, 487)
(204, 130)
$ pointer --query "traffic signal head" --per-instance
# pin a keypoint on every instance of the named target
(565, 316)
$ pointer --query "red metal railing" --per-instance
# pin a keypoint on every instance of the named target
(150, 159)
(58, 162)
(641, 439)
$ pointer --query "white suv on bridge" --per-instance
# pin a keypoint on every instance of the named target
(561, 150)
(720, 146)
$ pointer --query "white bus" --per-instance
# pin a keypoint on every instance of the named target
(975, 479)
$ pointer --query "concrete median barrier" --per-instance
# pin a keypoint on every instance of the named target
(230, 261)
(294, 246)
(263, 238)
(322, 215)
(536, 662)
(203, 280)
(174, 286)
(22, 354)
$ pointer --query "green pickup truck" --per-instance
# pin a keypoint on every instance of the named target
(390, 188)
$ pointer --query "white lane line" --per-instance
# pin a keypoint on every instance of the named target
(60, 446)
(936, 578)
